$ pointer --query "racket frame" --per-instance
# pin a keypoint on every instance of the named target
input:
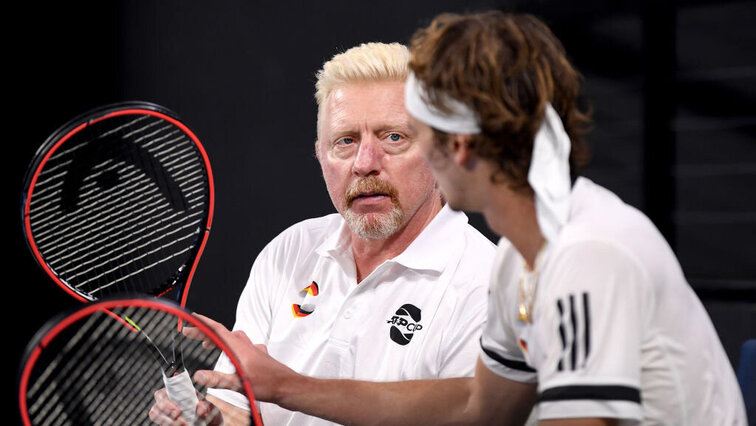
(62, 321)
(65, 132)
(182, 281)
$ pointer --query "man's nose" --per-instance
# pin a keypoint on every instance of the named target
(368, 159)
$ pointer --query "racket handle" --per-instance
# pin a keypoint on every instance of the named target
(181, 391)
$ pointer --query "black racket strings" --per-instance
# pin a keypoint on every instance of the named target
(101, 370)
(94, 359)
(108, 155)
(140, 198)
(89, 397)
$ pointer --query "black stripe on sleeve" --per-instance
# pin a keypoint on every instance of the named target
(587, 319)
(573, 352)
(597, 392)
(515, 365)
(560, 367)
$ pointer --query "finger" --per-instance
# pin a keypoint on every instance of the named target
(215, 379)
(192, 332)
(221, 330)
(195, 333)
(209, 413)
(160, 395)
(262, 348)
(164, 418)
(165, 405)
(215, 325)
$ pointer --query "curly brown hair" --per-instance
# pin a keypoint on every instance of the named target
(506, 67)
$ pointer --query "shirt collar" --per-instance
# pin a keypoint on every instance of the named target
(436, 246)
(336, 245)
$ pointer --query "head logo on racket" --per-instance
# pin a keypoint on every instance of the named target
(119, 200)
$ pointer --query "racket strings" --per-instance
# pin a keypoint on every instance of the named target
(60, 379)
(91, 398)
(142, 268)
(100, 214)
(53, 188)
(65, 155)
(139, 212)
(130, 404)
(169, 229)
(51, 371)
(70, 149)
(106, 199)
(116, 238)
(83, 251)
(48, 192)
(104, 373)
(77, 243)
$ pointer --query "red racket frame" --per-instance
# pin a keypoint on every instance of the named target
(77, 128)
(108, 306)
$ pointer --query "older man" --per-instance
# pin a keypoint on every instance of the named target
(600, 326)
(391, 288)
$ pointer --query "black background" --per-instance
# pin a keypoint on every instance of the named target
(673, 86)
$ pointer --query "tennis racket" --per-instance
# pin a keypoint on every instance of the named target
(120, 200)
(86, 368)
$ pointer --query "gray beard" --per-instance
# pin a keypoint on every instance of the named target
(375, 226)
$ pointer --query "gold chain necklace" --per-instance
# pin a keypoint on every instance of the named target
(528, 286)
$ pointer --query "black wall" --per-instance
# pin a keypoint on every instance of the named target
(673, 88)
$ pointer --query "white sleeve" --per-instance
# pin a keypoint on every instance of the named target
(587, 333)
(253, 316)
(499, 350)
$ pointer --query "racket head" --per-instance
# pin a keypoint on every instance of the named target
(88, 366)
(119, 200)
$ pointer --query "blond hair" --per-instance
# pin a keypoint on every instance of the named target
(366, 62)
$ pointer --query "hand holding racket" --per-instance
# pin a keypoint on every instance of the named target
(256, 365)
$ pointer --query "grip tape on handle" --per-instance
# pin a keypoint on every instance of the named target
(181, 391)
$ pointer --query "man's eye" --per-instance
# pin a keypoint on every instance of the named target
(345, 141)
(395, 137)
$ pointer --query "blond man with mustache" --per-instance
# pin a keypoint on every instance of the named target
(394, 286)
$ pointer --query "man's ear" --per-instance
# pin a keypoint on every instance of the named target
(463, 150)
(317, 151)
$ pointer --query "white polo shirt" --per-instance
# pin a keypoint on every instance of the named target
(617, 332)
(416, 316)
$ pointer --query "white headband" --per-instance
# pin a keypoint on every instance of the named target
(549, 173)
(462, 120)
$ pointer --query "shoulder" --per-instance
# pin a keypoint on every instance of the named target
(297, 244)
(602, 228)
(593, 261)
(590, 252)
(599, 214)
(451, 250)
(476, 259)
(476, 241)
(290, 251)
(307, 234)
(606, 271)
(456, 228)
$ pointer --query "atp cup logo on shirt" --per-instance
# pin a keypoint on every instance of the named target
(405, 323)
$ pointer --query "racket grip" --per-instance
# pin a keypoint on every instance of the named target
(181, 391)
